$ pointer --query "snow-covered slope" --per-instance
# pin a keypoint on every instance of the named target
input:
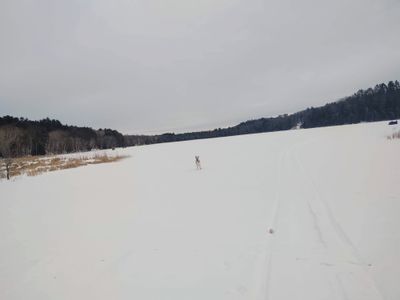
(152, 227)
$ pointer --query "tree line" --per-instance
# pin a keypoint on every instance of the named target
(374, 104)
(20, 136)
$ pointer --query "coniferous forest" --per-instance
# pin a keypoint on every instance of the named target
(374, 104)
(20, 136)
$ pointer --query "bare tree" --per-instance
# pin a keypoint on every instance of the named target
(8, 162)
(57, 141)
(11, 141)
(9, 137)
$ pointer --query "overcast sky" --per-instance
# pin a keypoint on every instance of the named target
(151, 66)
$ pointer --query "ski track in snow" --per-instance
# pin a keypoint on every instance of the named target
(360, 273)
(290, 163)
(273, 224)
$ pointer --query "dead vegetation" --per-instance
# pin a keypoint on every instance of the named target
(36, 165)
(394, 135)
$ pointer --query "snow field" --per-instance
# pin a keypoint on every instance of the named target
(153, 227)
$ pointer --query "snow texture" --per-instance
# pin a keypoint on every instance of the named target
(152, 227)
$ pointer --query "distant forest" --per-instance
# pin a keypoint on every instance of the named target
(374, 104)
(20, 136)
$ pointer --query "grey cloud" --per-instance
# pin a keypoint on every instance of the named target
(151, 66)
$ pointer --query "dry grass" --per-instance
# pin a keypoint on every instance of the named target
(395, 135)
(36, 165)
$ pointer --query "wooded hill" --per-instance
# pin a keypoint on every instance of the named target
(374, 104)
(20, 136)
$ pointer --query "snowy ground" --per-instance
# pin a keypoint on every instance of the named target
(151, 227)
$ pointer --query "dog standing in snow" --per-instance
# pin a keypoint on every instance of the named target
(197, 160)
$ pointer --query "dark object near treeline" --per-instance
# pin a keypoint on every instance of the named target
(393, 122)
